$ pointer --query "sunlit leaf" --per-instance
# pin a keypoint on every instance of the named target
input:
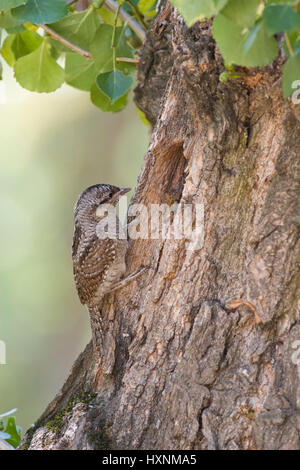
(109, 16)
(102, 52)
(25, 42)
(80, 71)
(231, 41)
(10, 23)
(7, 52)
(8, 4)
(38, 71)
(146, 7)
(243, 12)
(193, 11)
(79, 28)
(142, 116)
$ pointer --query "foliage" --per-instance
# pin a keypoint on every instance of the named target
(10, 432)
(49, 43)
(244, 31)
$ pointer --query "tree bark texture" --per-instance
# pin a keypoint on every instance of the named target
(198, 350)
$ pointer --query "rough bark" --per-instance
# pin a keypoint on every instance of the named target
(198, 351)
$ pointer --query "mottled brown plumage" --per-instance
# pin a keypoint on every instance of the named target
(98, 263)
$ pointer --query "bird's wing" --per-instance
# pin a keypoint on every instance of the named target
(91, 269)
(76, 240)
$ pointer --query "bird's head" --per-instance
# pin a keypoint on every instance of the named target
(94, 196)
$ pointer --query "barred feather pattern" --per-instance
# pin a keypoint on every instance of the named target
(97, 263)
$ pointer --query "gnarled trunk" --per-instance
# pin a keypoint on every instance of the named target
(200, 350)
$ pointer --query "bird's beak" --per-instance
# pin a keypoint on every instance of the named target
(119, 194)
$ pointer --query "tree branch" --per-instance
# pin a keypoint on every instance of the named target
(134, 24)
(112, 6)
(65, 42)
(127, 59)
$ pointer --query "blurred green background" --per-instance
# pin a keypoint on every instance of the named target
(52, 147)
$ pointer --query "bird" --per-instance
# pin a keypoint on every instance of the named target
(98, 261)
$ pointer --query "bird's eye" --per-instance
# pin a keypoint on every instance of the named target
(109, 196)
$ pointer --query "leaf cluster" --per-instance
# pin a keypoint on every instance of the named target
(96, 49)
(247, 32)
(51, 43)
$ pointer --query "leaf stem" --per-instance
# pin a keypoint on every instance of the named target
(137, 14)
(64, 41)
(113, 37)
(78, 49)
(134, 25)
(288, 43)
(127, 59)
(112, 6)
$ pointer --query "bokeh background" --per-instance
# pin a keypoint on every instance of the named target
(52, 147)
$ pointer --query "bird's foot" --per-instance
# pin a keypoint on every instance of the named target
(128, 279)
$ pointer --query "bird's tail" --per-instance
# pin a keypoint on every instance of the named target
(97, 329)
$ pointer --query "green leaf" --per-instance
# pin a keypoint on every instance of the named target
(8, 4)
(146, 7)
(41, 11)
(25, 42)
(102, 52)
(242, 12)
(294, 40)
(232, 39)
(267, 2)
(142, 116)
(58, 46)
(79, 28)
(14, 431)
(11, 24)
(278, 18)
(114, 84)
(80, 72)
(7, 52)
(108, 16)
(291, 74)
(38, 71)
(100, 100)
(194, 10)
(252, 36)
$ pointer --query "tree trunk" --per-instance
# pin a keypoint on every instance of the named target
(199, 351)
